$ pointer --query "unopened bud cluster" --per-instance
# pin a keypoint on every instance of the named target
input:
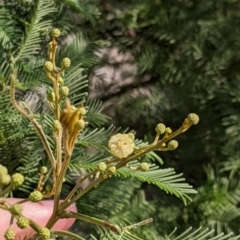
(44, 233)
(17, 180)
(22, 222)
(5, 178)
(9, 234)
(35, 196)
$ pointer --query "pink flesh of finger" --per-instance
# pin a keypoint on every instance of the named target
(39, 212)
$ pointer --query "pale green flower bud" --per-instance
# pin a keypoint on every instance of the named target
(82, 111)
(51, 97)
(173, 144)
(111, 170)
(60, 80)
(3, 169)
(168, 130)
(144, 166)
(44, 170)
(102, 166)
(64, 91)
(48, 66)
(193, 118)
(44, 233)
(56, 32)
(66, 62)
(56, 125)
(17, 180)
(16, 209)
(35, 196)
(22, 222)
(160, 128)
(79, 125)
(9, 234)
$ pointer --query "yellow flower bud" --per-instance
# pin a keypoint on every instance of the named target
(168, 130)
(160, 128)
(173, 144)
(64, 91)
(17, 180)
(44, 170)
(60, 80)
(48, 66)
(193, 118)
(56, 32)
(111, 170)
(66, 62)
(102, 166)
(144, 166)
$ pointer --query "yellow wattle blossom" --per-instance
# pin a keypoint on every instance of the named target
(121, 145)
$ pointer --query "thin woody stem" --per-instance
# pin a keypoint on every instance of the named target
(152, 147)
(93, 220)
(76, 187)
(64, 205)
(38, 127)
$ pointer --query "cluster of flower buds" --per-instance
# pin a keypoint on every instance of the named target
(14, 181)
(122, 146)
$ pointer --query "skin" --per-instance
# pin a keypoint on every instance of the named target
(39, 212)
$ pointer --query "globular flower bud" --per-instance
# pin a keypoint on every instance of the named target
(102, 166)
(22, 222)
(16, 209)
(51, 97)
(35, 196)
(48, 66)
(9, 234)
(79, 125)
(44, 170)
(160, 128)
(193, 118)
(60, 80)
(56, 125)
(56, 32)
(121, 145)
(111, 170)
(82, 111)
(144, 166)
(17, 180)
(64, 91)
(66, 62)
(5, 179)
(44, 233)
(168, 130)
(173, 144)
(3, 169)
